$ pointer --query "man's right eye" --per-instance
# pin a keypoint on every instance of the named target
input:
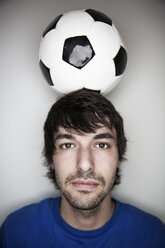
(66, 146)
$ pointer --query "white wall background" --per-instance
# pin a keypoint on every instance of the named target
(25, 99)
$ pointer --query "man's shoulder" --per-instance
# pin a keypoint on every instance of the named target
(29, 222)
(141, 223)
(133, 213)
(31, 212)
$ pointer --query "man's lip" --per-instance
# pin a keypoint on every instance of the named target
(85, 184)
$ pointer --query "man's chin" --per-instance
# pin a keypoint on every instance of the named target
(84, 200)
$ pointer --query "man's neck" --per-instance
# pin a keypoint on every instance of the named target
(87, 219)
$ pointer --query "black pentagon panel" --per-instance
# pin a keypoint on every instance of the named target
(52, 25)
(46, 72)
(99, 16)
(78, 51)
(120, 61)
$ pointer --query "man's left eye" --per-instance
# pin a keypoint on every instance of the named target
(102, 145)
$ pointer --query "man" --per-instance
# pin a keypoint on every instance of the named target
(84, 147)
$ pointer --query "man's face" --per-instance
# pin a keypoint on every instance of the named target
(85, 165)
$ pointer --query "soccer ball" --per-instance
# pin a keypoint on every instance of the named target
(82, 49)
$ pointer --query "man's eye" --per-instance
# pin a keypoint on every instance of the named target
(102, 145)
(66, 146)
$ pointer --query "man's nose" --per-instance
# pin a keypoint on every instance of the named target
(85, 161)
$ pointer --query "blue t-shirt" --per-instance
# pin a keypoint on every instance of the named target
(41, 226)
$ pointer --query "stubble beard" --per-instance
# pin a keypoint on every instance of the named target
(83, 199)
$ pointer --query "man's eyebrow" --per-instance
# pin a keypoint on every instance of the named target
(104, 136)
(64, 136)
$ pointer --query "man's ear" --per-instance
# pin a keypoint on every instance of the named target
(52, 166)
(119, 163)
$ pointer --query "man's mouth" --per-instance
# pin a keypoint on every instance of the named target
(85, 184)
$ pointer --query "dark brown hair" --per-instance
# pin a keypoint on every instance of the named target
(83, 110)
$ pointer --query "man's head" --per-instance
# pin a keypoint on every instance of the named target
(78, 119)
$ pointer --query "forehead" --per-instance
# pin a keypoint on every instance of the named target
(74, 133)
